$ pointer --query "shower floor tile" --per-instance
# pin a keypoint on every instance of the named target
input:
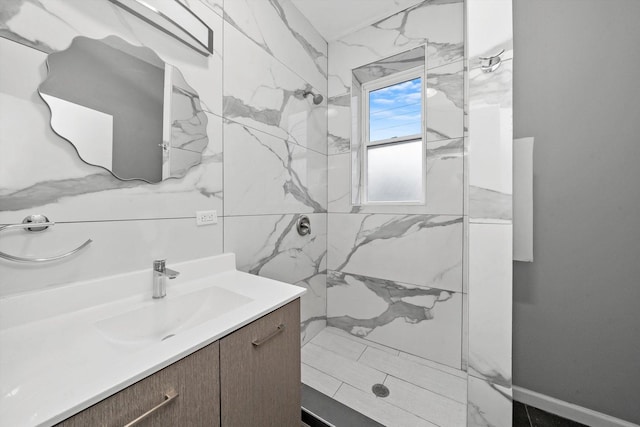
(421, 392)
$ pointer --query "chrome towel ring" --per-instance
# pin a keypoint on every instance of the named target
(37, 223)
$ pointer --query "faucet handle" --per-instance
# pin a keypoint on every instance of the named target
(159, 265)
(171, 274)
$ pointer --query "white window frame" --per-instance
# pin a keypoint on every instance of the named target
(367, 88)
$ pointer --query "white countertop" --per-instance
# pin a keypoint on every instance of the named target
(55, 361)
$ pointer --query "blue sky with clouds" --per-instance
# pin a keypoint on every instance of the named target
(395, 110)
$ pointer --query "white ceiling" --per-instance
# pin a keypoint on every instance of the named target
(336, 18)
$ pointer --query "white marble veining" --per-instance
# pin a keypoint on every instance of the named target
(421, 321)
(424, 250)
(39, 390)
(260, 92)
(490, 405)
(284, 33)
(490, 302)
(439, 25)
(264, 174)
(269, 246)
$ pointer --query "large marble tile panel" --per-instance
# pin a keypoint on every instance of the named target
(423, 250)
(426, 404)
(318, 380)
(417, 320)
(378, 409)
(282, 31)
(341, 368)
(489, 404)
(117, 247)
(490, 302)
(445, 102)
(439, 25)
(264, 174)
(435, 380)
(262, 93)
(490, 144)
(269, 246)
(489, 29)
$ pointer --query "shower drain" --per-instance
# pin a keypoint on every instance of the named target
(380, 390)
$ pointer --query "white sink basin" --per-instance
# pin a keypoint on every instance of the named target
(73, 345)
(163, 318)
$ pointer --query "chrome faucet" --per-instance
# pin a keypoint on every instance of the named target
(160, 274)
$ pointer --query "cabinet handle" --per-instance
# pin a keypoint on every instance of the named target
(261, 341)
(168, 398)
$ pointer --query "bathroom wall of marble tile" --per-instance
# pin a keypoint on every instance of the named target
(489, 214)
(130, 222)
(269, 246)
(406, 261)
(273, 140)
(275, 145)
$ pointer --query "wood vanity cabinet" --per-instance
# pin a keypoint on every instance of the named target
(195, 380)
(248, 378)
(260, 371)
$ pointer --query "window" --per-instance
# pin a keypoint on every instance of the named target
(392, 130)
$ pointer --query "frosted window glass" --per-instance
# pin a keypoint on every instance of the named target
(394, 172)
(396, 111)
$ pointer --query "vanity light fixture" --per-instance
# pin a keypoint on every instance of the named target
(173, 18)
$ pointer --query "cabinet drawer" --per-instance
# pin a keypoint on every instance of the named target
(195, 380)
(260, 371)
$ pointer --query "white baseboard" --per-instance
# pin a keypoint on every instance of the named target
(568, 410)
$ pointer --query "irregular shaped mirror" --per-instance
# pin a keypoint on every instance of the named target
(125, 109)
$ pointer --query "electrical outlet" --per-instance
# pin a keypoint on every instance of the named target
(206, 217)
